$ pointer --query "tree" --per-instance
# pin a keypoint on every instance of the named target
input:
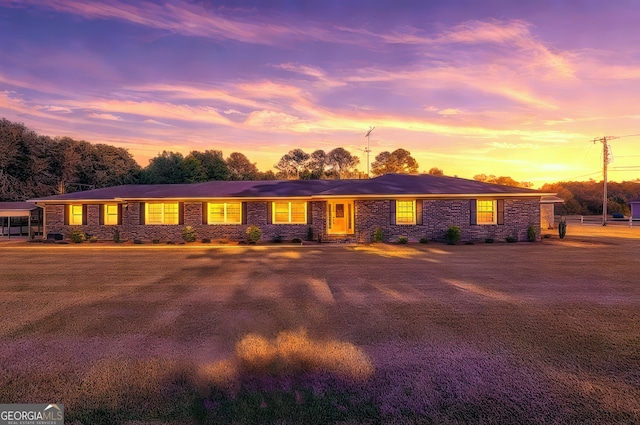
(210, 165)
(317, 164)
(502, 180)
(342, 162)
(240, 168)
(165, 168)
(292, 164)
(435, 171)
(398, 161)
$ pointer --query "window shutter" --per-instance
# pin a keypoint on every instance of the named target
(269, 215)
(473, 216)
(141, 213)
(500, 216)
(66, 214)
(205, 213)
(100, 214)
(392, 211)
(244, 213)
(119, 214)
(309, 213)
(84, 214)
(181, 213)
(419, 211)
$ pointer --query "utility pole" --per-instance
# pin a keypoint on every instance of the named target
(605, 165)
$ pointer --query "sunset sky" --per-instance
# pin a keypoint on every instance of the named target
(513, 88)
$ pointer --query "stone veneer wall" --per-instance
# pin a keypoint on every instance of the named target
(439, 215)
(132, 229)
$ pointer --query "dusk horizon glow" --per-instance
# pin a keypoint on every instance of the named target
(509, 88)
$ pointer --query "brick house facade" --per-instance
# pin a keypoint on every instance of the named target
(429, 214)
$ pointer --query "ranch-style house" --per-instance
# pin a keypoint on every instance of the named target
(415, 206)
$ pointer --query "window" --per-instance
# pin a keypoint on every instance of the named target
(161, 212)
(486, 211)
(111, 214)
(290, 212)
(75, 214)
(405, 212)
(225, 212)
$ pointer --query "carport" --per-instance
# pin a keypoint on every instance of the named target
(20, 219)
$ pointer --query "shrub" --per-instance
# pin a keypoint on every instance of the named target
(77, 236)
(138, 241)
(403, 239)
(253, 233)
(562, 228)
(452, 235)
(424, 240)
(189, 234)
(377, 234)
(511, 239)
(310, 234)
(155, 241)
(224, 240)
(277, 239)
(531, 233)
(206, 240)
(296, 240)
(93, 239)
(116, 235)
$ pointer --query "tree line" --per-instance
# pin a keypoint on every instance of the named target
(32, 165)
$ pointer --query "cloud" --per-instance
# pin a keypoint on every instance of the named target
(450, 111)
(109, 117)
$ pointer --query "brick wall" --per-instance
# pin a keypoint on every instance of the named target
(438, 215)
(193, 212)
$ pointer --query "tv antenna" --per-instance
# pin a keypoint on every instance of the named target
(368, 150)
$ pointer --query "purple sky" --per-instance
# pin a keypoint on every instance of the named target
(516, 88)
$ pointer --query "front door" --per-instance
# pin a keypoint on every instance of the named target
(340, 217)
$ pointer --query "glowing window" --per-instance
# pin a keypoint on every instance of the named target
(111, 214)
(161, 212)
(75, 215)
(486, 211)
(225, 212)
(405, 212)
(290, 212)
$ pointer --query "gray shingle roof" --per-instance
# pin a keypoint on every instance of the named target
(387, 185)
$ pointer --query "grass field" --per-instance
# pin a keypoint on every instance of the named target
(538, 333)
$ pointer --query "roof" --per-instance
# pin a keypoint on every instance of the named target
(551, 200)
(386, 185)
(16, 209)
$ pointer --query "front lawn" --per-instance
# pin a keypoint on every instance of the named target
(520, 333)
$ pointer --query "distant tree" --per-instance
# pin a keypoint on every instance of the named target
(292, 164)
(398, 161)
(341, 162)
(208, 165)
(436, 171)
(240, 168)
(168, 167)
(502, 180)
(317, 164)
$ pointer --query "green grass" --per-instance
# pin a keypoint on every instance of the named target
(491, 333)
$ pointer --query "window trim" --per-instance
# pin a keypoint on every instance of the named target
(273, 212)
(413, 212)
(494, 211)
(106, 215)
(163, 213)
(225, 207)
(73, 217)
